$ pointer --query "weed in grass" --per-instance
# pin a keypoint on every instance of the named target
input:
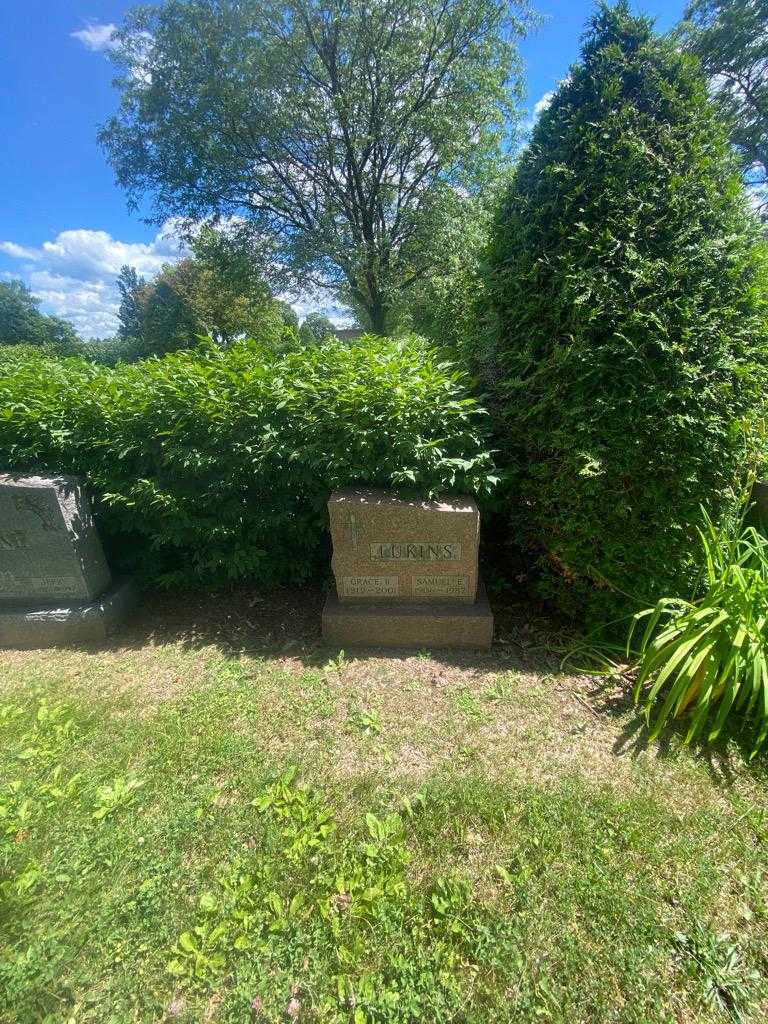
(336, 664)
(364, 720)
(410, 805)
(716, 962)
(42, 784)
(468, 704)
(755, 888)
(115, 795)
(501, 690)
(394, 949)
(468, 752)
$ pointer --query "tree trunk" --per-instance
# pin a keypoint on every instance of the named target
(369, 300)
(378, 318)
(375, 307)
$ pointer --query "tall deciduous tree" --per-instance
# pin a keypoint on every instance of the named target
(346, 131)
(217, 291)
(22, 323)
(315, 328)
(449, 307)
(730, 37)
(130, 286)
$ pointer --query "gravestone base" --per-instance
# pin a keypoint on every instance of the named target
(419, 625)
(79, 623)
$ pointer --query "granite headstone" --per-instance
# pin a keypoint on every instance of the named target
(392, 549)
(55, 584)
(406, 572)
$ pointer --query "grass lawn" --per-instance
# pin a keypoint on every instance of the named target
(216, 819)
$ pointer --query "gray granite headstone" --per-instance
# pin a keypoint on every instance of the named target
(49, 549)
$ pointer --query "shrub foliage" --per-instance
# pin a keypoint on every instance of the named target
(710, 656)
(218, 464)
(627, 284)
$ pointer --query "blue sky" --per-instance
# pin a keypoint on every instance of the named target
(64, 224)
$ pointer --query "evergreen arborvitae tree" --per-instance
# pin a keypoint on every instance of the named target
(626, 277)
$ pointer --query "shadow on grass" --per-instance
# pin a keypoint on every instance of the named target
(286, 623)
(724, 758)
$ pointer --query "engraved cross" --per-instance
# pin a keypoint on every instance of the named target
(352, 529)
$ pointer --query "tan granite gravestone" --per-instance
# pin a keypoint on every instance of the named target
(55, 584)
(406, 572)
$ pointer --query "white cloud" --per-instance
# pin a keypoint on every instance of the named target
(19, 252)
(314, 302)
(99, 38)
(74, 275)
(539, 107)
(95, 36)
(541, 104)
(95, 253)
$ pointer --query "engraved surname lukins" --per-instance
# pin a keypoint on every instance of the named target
(415, 551)
(440, 586)
(368, 586)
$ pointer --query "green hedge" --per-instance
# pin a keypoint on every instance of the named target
(217, 465)
(629, 288)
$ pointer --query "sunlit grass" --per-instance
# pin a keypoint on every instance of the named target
(159, 864)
